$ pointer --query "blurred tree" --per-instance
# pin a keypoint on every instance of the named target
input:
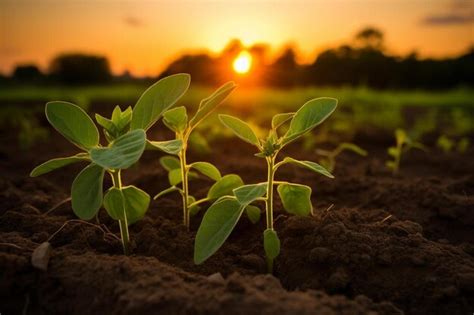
(27, 73)
(80, 69)
(370, 38)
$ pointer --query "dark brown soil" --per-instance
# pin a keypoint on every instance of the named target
(379, 243)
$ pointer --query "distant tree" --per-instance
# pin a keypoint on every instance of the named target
(80, 69)
(285, 70)
(27, 73)
(370, 38)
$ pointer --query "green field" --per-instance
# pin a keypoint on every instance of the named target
(420, 112)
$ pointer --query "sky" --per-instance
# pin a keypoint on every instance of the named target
(143, 36)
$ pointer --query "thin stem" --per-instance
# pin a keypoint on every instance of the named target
(125, 236)
(269, 199)
(184, 176)
(198, 202)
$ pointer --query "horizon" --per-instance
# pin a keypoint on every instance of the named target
(132, 34)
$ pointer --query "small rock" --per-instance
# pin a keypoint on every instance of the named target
(253, 261)
(41, 255)
(216, 278)
(333, 229)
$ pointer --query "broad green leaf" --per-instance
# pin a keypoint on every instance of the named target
(86, 192)
(166, 191)
(207, 169)
(271, 244)
(175, 177)
(170, 146)
(157, 99)
(224, 186)
(176, 119)
(216, 226)
(73, 123)
(129, 200)
(240, 128)
(352, 147)
(54, 164)
(311, 114)
(315, 167)
(280, 119)
(210, 103)
(248, 193)
(123, 152)
(253, 213)
(296, 198)
(169, 163)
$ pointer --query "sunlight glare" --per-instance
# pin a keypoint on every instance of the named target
(243, 62)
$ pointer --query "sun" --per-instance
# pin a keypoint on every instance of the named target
(243, 62)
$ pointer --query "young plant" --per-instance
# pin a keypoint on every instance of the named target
(126, 141)
(221, 218)
(180, 172)
(403, 144)
(329, 157)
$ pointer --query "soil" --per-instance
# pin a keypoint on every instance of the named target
(378, 243)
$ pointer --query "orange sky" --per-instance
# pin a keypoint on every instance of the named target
(144, 35)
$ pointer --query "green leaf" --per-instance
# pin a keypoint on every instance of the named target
(73, 123)
(271, 244)
(170, 146)
(224, 186)
(248, 193)
(123, 152)
(54, 164)
(107, 124)
(176, 119)
(311, 114)
(166, 191)
(393, 151)
(125, 119)
(216, 226)
(157, 99)
(210, 103)
(194, 209)
(253, 213)
(240, 128)
(129, 200)
(86, 192)
(169, 163)
(315, 167)
(207, 169)
(175, 177)
(296, 198)
(280, 119)
(352, 147)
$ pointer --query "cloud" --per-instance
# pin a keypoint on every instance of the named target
(448, 19)
(133, 21)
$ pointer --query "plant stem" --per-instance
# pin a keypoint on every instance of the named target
(269, 199)
(184, 176)
(125, 236)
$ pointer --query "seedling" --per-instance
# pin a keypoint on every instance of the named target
(179, 171)
(329, 157)
(126, 141)
(403, 144)
(221, 218)
(446, 144)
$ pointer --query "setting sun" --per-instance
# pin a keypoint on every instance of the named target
(243, 62)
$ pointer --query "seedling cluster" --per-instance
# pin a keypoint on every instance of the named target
(329, 157)
(125, 137)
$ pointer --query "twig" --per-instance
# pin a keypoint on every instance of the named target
(106, 232)
(57, 206)
(11, 245)
(388, 217)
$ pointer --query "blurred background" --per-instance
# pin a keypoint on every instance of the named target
(391, 63)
